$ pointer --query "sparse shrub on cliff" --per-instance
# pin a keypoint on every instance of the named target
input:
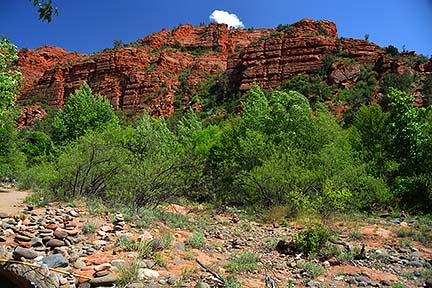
(286, 27)
(391, 50)
(118, 44)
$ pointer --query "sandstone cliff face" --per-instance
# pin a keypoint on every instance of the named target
(150, 74)
(34, 63)
(144, 77)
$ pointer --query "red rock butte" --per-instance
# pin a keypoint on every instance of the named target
(148, 74)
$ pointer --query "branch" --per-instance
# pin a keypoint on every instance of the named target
(221, 281)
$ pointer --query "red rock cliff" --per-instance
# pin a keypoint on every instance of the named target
(152, 72)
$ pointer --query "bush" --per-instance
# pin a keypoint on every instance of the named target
(313, 239)
(246, 262)
(197, 240)
(391, 50)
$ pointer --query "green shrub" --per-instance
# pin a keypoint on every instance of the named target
(311, 240)
(311, 268)
(246, 262)
(197, 240)
(89, 228)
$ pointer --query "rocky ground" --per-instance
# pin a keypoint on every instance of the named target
(84, 244)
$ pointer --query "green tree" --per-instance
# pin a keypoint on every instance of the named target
(10, 84)
(372, 126)
(82, 112)
(411, 146)
(407, 127)
(10, 77)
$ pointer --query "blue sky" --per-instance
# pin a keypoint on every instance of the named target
(90, 25)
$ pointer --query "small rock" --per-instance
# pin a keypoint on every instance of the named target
(60, 233)
(79, 264)
(55, 243)
(36, 242)
(106, 228)
(84, 285)
(179, 246)
(101, 267)
(63, 281)
(145, 273)
(311, 283)
(119, 263)
(104, 280)
(55, 260)
(21, 237)
(99, 243)
(202, 285)
(179, 262)
(172, 279)
(8, 233)
(74, 213)
(135, 285)
(149, 263)
(415, 264)
(101, 273)
(24, 252)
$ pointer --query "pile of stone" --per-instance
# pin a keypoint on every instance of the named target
(47, 250)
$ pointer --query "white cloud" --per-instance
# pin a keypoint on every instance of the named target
(231, 20)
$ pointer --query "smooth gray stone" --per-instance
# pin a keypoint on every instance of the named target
(105, 280)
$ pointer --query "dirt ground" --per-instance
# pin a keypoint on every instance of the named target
(11, 199)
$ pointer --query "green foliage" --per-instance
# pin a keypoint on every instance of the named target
(284, 28)
(10, 77)
(313, 87)
(36, 145)
(45, 9)
(89, 228)
(394, 80)
(118, 44)
(246, 262)
(82, 112)
(197, 240)
(391, 50)
(311, 268)
(11, 159)
(313, 239)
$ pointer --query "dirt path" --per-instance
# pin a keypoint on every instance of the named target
(11, 199)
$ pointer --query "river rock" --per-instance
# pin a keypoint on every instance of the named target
(55, 260)
(145, 273)
(60, 233)
(104, 280)
(36, 242)
(24, 252)
(55, 243)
